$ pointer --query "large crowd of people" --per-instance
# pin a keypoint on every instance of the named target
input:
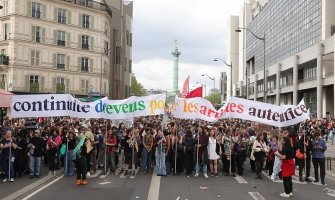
(188, 147)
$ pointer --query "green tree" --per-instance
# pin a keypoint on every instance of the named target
(215, 98)
(136, 87)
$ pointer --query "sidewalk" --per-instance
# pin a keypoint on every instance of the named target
(9, 188)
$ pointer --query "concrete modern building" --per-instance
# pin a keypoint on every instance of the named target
(223, 86)
(299, 53)
(66, 46)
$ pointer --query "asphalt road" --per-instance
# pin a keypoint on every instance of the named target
(148, 186)
(152, 187)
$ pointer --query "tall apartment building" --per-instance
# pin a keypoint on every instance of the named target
(66, 46)
(299, 53)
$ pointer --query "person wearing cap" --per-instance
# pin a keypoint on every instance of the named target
(35, 153)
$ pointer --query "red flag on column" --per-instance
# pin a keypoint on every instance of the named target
(186, 86)
(195, 93)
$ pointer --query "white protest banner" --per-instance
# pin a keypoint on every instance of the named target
(51, 105)
(195, 108)
(279, 116)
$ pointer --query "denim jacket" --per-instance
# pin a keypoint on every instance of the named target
(319, 152)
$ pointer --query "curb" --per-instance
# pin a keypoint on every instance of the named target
(28, 189)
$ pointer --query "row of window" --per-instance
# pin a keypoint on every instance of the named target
(38, 11)
(62, 61)
(35, 84)
(62, 38)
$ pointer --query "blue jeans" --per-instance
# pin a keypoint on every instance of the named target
(146, 160)
(34, 165)
(197, 166)
(160, 162)
(9, 167)
(69, 164)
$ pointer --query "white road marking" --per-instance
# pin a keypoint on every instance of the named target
(104, 176)
(178, 198)
(104, 183)
(154, 187)
(97, 173)
(256, 196)
(240, 179)
(42, 188)
(136, 171)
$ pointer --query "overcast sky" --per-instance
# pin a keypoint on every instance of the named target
(200, 26)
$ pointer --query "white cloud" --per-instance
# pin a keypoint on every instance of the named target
(199, 26)
(157, 74)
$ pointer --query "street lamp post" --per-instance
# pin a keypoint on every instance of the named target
(231, 73)
(203, 85)
(213, 79)
(105, 52)
(263, 40)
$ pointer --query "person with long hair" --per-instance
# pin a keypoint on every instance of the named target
(202, 153)
(213, 153)
(273, 146)
(287, 166)
(189, 144)
(258, 149)
(53, 144)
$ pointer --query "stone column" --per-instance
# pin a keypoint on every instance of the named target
(295, 80)
(255, 87)
(277, 84)
(319, 69)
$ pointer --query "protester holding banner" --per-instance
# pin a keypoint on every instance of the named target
(111, 143)
(318, 157)
(202, 153)
(8, 146)
(189, 145)
(287, 167)
(161, 146)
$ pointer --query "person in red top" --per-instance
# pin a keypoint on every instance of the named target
(287, 167)
(112, 147)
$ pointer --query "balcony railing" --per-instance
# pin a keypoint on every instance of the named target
(2, 85)
(60, 66)
(85, 46)
(60, 89)
(4, 60)
(34, 87)
(61, 43)
(36, 14)
(286, 84)
(92, 4)
(307, 79)
(61, 19)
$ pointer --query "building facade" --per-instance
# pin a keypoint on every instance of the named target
(60, 46)
(299, 53)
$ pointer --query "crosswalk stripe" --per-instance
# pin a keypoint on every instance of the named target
(256, 196)
(240, 179)
(104, 175)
